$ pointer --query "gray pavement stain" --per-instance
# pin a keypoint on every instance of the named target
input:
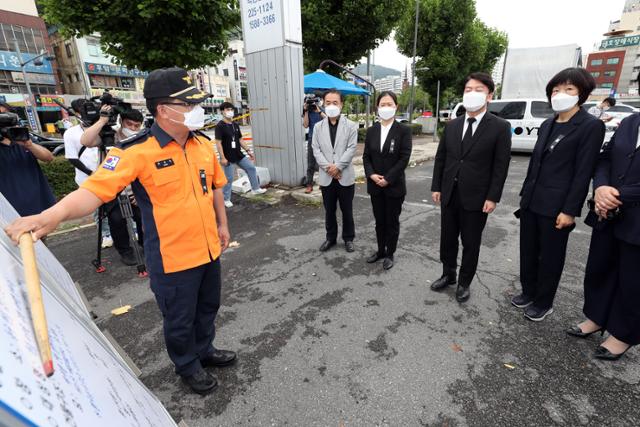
(325, 339)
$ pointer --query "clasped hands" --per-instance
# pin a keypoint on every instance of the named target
(334, 171)
(379, 180)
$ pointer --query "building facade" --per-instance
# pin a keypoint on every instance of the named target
(23, 36)
(391, 83)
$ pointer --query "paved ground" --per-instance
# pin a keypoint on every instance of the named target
(327, 340)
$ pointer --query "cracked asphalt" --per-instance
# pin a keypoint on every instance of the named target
(328, 340)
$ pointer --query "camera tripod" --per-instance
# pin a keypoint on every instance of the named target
(124, 204)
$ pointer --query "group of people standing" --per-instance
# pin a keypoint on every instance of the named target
(470, 170)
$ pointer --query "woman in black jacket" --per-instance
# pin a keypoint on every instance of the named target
(612, 276)
(555, 189)
(387, 150)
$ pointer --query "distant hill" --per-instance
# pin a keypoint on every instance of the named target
(378, 71)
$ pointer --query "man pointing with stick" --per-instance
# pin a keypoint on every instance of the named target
(177, 181)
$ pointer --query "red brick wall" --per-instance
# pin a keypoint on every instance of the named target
(604, 56)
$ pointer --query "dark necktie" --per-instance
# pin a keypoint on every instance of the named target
(468, 135)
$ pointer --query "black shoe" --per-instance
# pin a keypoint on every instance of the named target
(603, 354)
(348, 246)
(387, 264)
(444, 281)
(327, 245)
(536, 314)
(521, 301)
(219, 358)
(375, 257)
(201, 382)
(128, 258)
(575, 331)
(462, 293)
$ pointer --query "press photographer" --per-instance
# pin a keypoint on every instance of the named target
(21, 179)
(104, 113)
(312, 113)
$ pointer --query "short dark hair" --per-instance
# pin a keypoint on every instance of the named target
(152, 104)
(76, 104)
(483, 78)
(387, 93)
(579, 77)
(133, 115)
(335, 92)
(226, 105)
(610, 100)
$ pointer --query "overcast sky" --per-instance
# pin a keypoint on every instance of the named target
(534, 23)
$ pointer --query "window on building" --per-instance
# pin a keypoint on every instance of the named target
(613, 61)
(67, 47)
(225, 72)
(77, 76)
(508, 110)
(606, 85)
(3, 40)
(56, 51)
(609, 73)
(595, 73)
(19, 36)
(69, 78)
(596, 62)
(93, 46)
(38, 40)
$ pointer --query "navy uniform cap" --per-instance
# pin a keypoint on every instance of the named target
(172, 83)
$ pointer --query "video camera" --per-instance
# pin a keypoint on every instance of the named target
(312, 100)
(9, 128)
(90, 113)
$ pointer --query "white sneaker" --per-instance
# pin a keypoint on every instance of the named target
(258, 191)
(228, 204)
(107, 242)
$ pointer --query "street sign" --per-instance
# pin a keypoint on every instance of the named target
(262, 24)
(31, 114)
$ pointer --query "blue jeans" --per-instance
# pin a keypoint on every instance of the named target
(230, 170)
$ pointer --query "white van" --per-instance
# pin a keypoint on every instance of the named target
(525, 115)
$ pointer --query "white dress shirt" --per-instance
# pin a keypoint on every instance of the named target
(384, 131)
(475, 124)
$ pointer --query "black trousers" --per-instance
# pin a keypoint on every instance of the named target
(386, 211)
(456, 222)
(543, 249)
(333, 194)
(312, 165)
(118, 227)
(612, 286)
(189, 301)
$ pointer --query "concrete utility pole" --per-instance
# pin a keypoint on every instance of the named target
(272, 34)
(413, 63)
(368, 114)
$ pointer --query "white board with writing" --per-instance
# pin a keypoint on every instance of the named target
(91, 385)
(262, 24)
(52, 273)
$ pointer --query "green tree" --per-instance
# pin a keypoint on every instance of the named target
(452, 42)
(345, 30)
(420, 100)
(150, 34)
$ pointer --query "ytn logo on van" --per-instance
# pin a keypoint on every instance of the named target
(520, 130)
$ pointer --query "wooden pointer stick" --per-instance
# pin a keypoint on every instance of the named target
(36, 307)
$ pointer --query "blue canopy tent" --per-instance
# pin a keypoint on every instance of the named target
(323, 81)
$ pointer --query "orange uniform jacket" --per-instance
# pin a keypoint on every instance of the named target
(173, 187)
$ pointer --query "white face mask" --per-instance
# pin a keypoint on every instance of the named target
(128, 132)
(386, 113)
(562, 102)
(332, 111)
(228, 114)
(193, 119)
(474, 101)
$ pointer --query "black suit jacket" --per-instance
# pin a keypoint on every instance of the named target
(558, 180)
(390, 162)
(481, 168)
(619, 167)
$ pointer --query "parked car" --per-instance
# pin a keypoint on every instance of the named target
(55, 145)
(525, 115)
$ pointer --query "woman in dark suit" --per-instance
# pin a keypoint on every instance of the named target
(387, 150)
(612, 276)
(555, 189)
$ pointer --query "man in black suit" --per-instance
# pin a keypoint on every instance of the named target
(470, 169)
